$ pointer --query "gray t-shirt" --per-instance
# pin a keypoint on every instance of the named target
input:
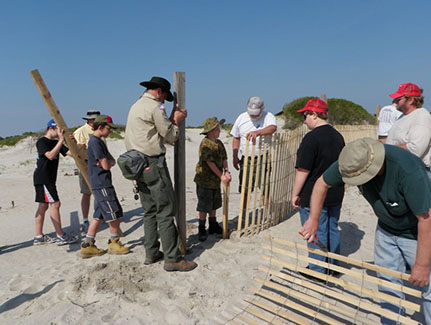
(99, 177)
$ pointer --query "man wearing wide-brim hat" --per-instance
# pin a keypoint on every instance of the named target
(395, 183)
(82, 136)
(147, 129)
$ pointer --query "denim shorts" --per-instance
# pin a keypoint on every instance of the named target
(208, 199)
(106, 204)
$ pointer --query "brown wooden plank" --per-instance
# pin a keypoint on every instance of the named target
(58, 118)
(180, 162)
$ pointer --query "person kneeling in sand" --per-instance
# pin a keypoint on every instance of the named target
(106, 204)
(210, 170)
(44, 179)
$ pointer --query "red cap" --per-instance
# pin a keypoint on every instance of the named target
(407, 89)
(316, 105)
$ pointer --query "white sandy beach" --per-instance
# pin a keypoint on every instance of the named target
(52, 285)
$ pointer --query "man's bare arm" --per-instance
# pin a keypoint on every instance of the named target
(318, 196)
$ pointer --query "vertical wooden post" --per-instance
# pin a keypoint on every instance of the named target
(377, 114)
(323, 97)
(180, 162)
(56, 115)
(226, 191)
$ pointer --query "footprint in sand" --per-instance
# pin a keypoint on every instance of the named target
(17, 283)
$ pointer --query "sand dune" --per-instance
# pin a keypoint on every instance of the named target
(53, 285)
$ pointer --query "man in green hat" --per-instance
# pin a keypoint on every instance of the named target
(211, 169)
(147, 129)
(395, 183)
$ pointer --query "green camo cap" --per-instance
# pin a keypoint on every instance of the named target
(211, 123)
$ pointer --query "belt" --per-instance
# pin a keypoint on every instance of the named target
(159, 158)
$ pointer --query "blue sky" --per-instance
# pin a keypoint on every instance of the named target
(93, 54)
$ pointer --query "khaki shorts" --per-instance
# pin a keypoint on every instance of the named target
(83, 185)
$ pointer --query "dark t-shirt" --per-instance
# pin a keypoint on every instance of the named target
(99, 177)
(318, 150)
(46, 170)
(399, 195)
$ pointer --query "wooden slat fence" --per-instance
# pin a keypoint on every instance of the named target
(284, 296)
(266, 197)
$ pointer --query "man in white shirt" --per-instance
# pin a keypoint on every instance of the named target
(250, 125)
(387, 117)
(412, 131)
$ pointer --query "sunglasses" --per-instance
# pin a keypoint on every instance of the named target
(304, 116)
(397, 100)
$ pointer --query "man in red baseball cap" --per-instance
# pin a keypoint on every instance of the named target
(412, 131)
(317, 151)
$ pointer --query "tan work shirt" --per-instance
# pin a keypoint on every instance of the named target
(82, 136)
(148, 127)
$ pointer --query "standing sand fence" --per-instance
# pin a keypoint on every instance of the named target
(266, 198)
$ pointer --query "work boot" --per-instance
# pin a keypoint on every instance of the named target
(182, 266)
(155, 259)
(214, 227)
(90, 250)
(202, 231)
(116, 247)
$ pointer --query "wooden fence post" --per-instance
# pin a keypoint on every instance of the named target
(377, 114)
(180, 162)
(56, 115)
(323, 97)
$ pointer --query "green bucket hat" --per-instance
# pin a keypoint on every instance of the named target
(211, 123)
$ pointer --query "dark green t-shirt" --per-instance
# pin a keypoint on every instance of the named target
(214, 152)
(399, 195)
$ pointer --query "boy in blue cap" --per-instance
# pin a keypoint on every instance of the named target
(44, 178)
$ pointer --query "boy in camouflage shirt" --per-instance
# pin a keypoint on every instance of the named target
(211, 169)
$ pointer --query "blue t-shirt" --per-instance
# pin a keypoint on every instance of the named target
(99, 177)
(399, 195)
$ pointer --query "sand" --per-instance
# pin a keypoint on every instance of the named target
(51, 284)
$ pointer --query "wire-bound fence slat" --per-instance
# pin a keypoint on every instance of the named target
(273, 165)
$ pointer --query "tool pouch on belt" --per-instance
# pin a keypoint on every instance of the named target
(132, 163)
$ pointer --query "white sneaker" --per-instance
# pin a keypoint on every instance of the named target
(45, 239)
(66, 239)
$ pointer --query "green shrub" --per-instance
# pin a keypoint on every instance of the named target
(13, 140)
(341, 112)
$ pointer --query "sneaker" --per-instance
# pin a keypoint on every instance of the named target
(90, 250)
(45, 239)
(155, 259)
(83, 228)
(182, 266)
(116, 247)
(66, 239)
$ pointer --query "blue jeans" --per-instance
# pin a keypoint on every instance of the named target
(394, 253)
(327, 232)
